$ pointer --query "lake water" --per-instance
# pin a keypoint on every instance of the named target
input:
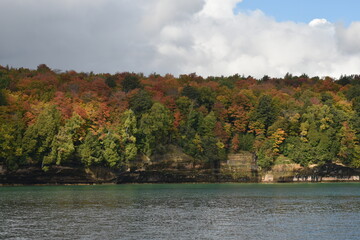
(181, 211)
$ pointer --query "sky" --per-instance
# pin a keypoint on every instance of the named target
(208, 37)
(335, 11)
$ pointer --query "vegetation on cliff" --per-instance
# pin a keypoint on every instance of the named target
(50, 118)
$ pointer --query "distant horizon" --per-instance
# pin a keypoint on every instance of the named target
(59, 71)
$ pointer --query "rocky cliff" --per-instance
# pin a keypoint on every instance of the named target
(57, 175)
(174, 166)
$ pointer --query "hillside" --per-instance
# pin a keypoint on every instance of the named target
(121, 121)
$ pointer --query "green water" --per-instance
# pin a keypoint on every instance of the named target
(181, 211)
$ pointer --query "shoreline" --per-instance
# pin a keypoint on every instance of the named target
(62, 176)
(161, 183)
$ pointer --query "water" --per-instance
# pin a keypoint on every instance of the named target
(182, 211)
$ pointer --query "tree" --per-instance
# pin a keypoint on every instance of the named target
(10, 146)
(265, 154)
(183, 104)
(349, 152)
(127, 131)
(4, 79)
(190, 92)
(140, 103)
(235, 143)
(110, 81)
(239, 118)
(318, 133)
(3, 100)
(214, 150)
(64, 143)
(111, 150)
(39, 136)
(265, 112)
(206, 97)
(42, 68)
(90, 151)
(130, 82)
(155, 127)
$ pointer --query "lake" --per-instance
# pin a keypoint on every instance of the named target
(182, 211)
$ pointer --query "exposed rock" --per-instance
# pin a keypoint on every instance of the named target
(175, 166)
(268, 178)
(58, 175)
(283, 172)
(327, 173)
(240, 166)
(178, 176)
(172, 158)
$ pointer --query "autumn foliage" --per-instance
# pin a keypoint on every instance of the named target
(67, 118)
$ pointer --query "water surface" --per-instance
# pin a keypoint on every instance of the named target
(181, 211)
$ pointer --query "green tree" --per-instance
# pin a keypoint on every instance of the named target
(190, 92)
(246, 142)
(10, 146)
(110, 81)
(130, 82)
(349, 151)
(318, 132)
(64, 143)
(4, 79)
(39, 136)
(127, 131)
(353, 92)
(206, 97)
(140, 103)
(265, 111)
(297, 150)
(155, 128)
(183, 104)
(3, 100)
(265, 154)
(91, 150)
(112, 152)
(213, 149)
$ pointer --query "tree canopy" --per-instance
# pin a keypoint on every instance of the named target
(68, 118)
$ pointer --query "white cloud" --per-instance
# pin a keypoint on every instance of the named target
(349, 39)
(253, 43)
(319, 22)
(168, 36)
(218, 9)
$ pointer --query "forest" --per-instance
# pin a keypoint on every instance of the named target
(51, 117)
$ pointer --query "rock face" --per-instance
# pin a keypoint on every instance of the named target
(240, 167)
(173, 158)
(57, 175)
(169, 176)
(327, 173)
(284, 172)
(174, 166)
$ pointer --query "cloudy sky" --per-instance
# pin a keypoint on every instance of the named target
(209, 37)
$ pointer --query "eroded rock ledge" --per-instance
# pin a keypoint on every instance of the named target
(57, 175)
(177, 167)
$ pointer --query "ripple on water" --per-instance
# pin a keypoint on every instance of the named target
(181, 211)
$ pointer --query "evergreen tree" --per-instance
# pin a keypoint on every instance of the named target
(155, 127)
(64, 143)
(39, 136)
(130, 82)
(265, 112)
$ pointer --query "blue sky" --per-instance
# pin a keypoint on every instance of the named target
(344, 11)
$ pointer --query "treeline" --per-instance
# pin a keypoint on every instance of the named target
(67, 118)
